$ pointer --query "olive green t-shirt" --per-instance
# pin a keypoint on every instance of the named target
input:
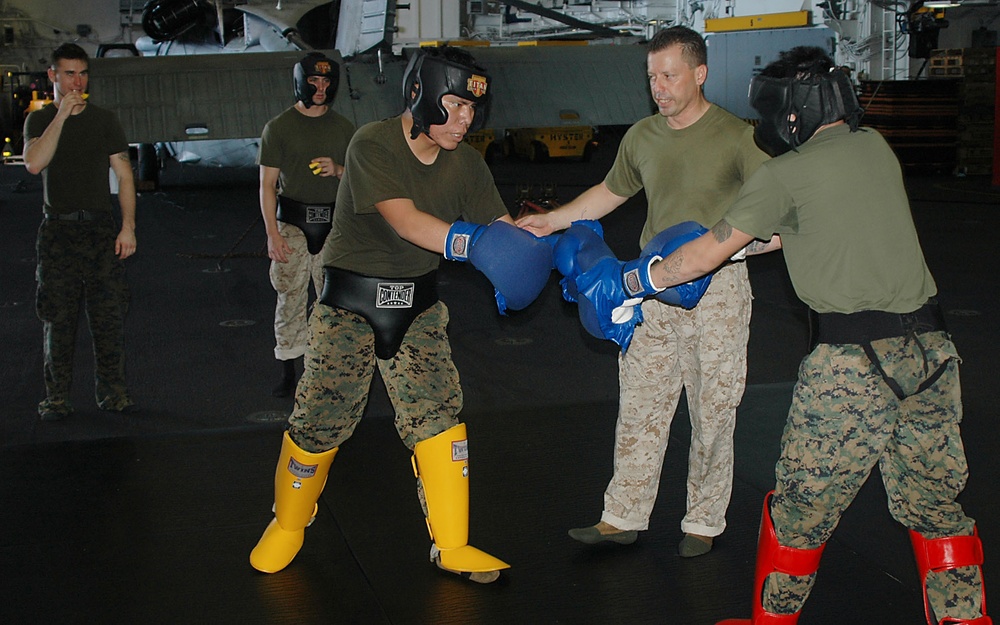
(841, 209)
(380, 167)
(691, 174)
(77, 177)
(292, 140)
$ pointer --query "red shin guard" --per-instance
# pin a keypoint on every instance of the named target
(773, 558)
(942, 554)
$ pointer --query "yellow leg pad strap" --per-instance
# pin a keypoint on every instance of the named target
(298, 482)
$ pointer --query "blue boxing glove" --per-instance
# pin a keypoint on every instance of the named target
(581, 235)
(462, 236)
(688, 294)
(578, 249)
(515, 261)
(607, 309)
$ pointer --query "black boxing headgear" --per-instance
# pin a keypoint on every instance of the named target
(815, 98)
(314, 64)
(434, 72)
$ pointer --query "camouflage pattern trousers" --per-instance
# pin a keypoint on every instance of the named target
(76, 261)
(703, 351)
(291, 281)
(843, 420)
(340, 362)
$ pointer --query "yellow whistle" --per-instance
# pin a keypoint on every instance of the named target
(316, 168)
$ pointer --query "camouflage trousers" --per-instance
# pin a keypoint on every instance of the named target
(340, 362)
(76, 262)
(702, 351)
(291, 281)
(843, 420)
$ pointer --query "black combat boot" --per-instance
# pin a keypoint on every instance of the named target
(287, 384)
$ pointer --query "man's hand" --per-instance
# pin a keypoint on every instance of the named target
(277, 248)
(71, 104)
(325, 167)
(125, 243)
(539, 224)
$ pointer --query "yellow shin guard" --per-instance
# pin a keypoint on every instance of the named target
(441, 463)
(298, 481)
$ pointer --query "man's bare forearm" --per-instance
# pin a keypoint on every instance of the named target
(126, 190)
(699, 257)
(762, 247)
(38, 152)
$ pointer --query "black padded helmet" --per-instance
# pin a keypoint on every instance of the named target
(434, 72)
(804, 83)
(314, 64)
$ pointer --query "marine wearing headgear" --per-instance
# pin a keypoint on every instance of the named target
(314, 64)
(434, 72)
(803, 83)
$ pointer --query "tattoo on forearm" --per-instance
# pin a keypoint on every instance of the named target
(123, 156)
(671, 265)
(722, 231)
(756, 246)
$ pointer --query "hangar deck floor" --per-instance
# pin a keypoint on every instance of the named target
(149, 518)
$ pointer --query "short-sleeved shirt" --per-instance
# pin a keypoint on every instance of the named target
(690, 174)
(77, 177)
(841, 209)
(380, 167)
(292, 140)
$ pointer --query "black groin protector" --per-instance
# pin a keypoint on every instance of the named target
(388, 305)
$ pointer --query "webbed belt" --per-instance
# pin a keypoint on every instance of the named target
(861, 328)
(314, 220)
(388, 305)
(871, 325)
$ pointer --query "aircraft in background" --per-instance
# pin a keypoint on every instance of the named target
(204, 76)
(197, 27)
(209, 110)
